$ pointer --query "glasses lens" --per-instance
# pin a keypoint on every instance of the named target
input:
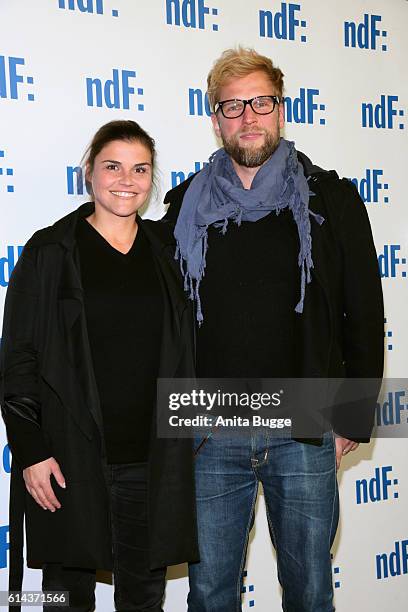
(232, 108)
(263, 105)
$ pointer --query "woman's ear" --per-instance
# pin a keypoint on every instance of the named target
(88, 178)
(88, 173)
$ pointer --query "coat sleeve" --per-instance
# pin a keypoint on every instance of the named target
(20, 396)
(363, 320)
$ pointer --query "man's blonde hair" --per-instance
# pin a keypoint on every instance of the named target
(237, 63)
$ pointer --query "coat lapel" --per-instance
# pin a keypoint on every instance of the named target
(175, 300)
(68, 362)
(71, 300)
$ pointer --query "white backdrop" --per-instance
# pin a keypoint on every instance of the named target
(345, 67)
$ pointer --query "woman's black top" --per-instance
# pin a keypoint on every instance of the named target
(124, 312)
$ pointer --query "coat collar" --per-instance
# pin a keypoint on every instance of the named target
(160, 238)
(159, 235)
(63, 230)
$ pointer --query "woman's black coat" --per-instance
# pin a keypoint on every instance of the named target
(47, 368)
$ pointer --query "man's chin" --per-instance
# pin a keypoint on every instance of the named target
(251, 157)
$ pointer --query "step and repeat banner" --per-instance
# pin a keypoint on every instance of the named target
(69, 66)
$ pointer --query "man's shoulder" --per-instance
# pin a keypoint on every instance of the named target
(335, 193)
(174, 199)
(316, 173)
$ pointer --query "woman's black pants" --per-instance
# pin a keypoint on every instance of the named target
(137, 588)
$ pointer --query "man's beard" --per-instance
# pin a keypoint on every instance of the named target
(251, 157)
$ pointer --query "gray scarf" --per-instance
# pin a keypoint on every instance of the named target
(216, 196)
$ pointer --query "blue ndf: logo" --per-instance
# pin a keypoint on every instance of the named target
(283, 24)
(365, 35)
(11, 79)
(192, 14)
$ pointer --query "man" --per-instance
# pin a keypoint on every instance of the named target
(294, 294)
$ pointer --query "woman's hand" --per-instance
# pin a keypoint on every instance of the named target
(37, 482)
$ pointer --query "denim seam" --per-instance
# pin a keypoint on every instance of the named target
(335, 485)
(334, 500)
(268, 516)
(274, 543)
(245, 548)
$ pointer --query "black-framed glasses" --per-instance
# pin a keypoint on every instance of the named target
(261, 105)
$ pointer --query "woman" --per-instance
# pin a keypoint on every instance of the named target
(94, 314)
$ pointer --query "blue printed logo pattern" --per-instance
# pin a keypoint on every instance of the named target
(283, 24)
(378, 487)
(365, 35)
(192, 14)
(91, 7)
(370, 186)
(305, 108)
(389, 411)
(12, 82)
(6, 172)
(115, 92)
(395, 563)
(382, 115)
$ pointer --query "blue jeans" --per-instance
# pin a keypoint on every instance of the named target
(300, 488)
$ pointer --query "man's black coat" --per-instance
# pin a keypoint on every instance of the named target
(46, 360)
(340, 334)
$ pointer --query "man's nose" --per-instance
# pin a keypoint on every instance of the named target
(249, 115)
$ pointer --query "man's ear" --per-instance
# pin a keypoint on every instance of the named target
(215, 123)
(281, 115)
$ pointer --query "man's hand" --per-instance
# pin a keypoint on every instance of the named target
(37, 482)
(343, 446)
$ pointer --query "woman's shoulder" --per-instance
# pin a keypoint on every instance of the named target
(40, 237)
(62, 231)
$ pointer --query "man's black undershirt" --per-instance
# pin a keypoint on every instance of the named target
(249, 293)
